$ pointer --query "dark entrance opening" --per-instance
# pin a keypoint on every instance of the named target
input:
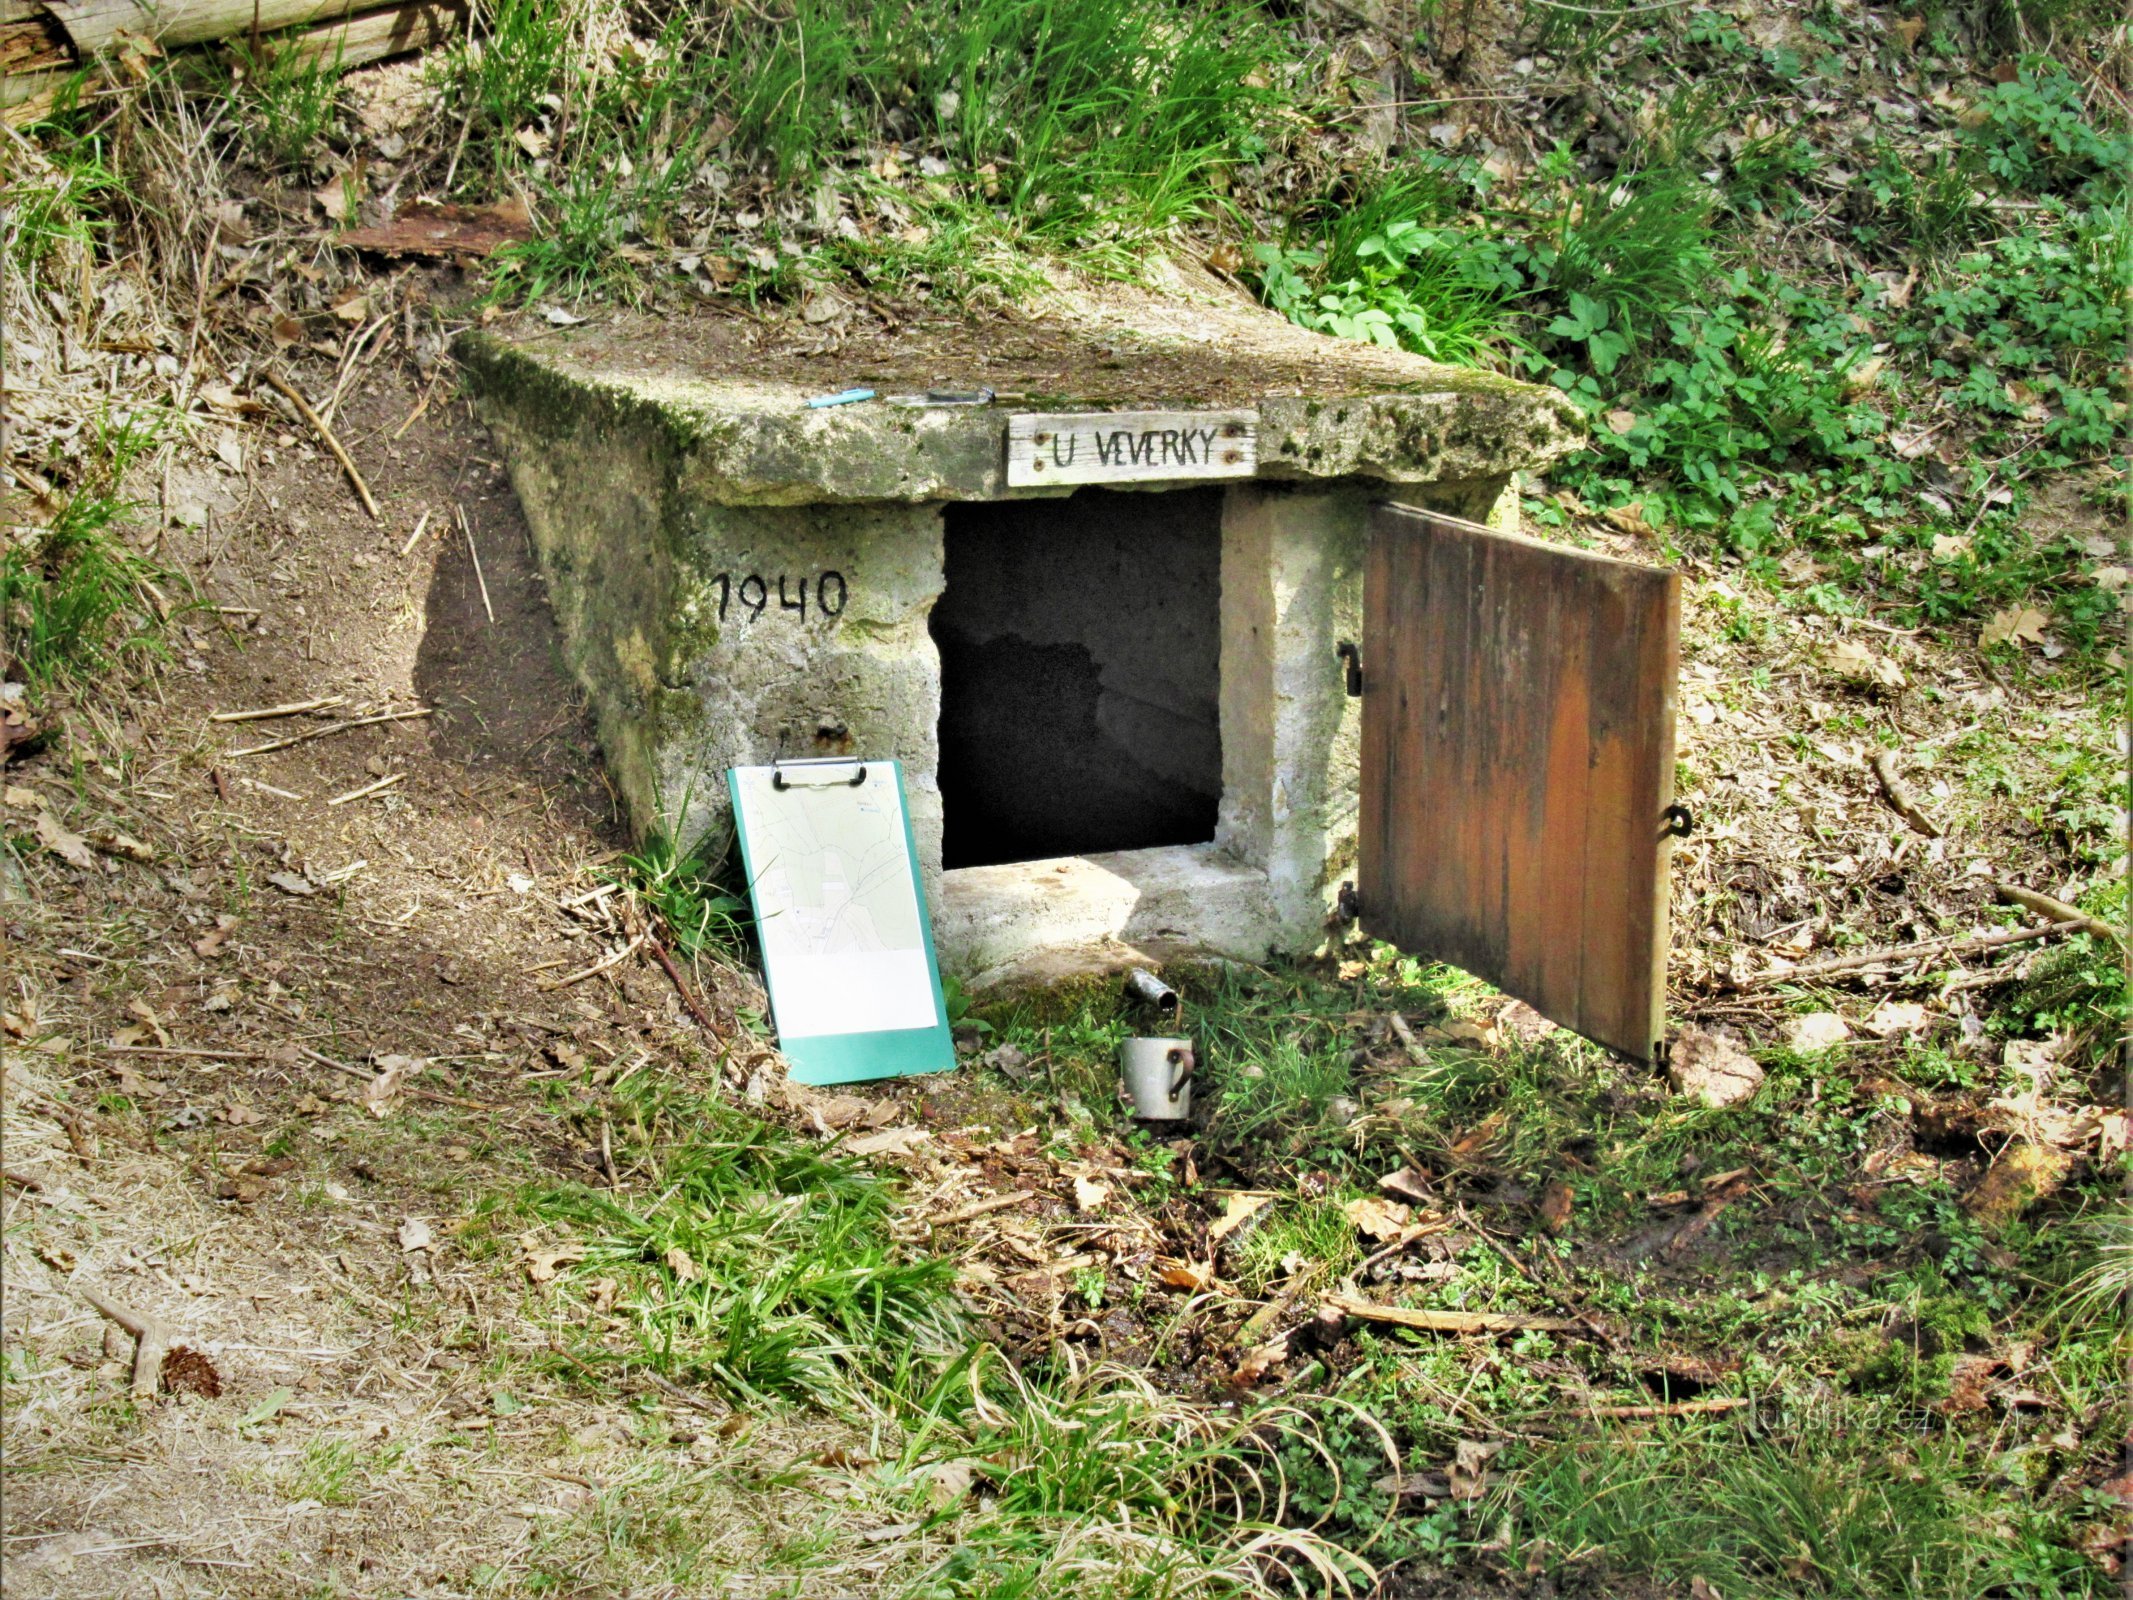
(1080, 643)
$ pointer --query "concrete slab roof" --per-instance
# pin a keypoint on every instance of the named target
(726, 396)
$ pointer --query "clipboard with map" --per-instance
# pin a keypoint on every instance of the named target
(841, 915)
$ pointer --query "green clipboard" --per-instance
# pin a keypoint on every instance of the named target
(841, 916)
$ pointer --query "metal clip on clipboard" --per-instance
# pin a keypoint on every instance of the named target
(781, 782)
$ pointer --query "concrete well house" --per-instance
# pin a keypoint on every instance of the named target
(1124, 624)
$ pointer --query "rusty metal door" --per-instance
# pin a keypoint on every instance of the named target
(1518, 767)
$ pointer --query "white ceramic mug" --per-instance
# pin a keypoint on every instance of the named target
(1158, 1074)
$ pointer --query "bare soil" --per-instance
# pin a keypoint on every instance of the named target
(238, 1186)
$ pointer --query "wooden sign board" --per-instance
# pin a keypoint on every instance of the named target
(1129, 447)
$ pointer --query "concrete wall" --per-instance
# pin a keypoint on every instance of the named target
(1292, 575)
(793, 679)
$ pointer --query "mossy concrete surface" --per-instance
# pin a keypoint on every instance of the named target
(736, 428)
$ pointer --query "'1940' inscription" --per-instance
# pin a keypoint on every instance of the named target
(1130, 447)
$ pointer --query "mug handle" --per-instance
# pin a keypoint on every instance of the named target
(1182, 1059)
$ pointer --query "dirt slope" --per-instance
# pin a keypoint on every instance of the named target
(374, 1433)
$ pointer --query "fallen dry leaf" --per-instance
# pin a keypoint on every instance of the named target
(1236, 1211)
(1377, 1219)
(1470, 1473)
(1855, 662)
(1893, 1017)
(338, 194)
(1556, 1202)
(1261, 1360)
(414, 1234)
(1184, 1275)
(888, 1142)
(70, 847)
(682, 1264)
(1089, 1195)
(124, 845)
(382, 1090)
(2015, 625)
(949, 1481)
(542, 1264)
(292, 883)
(1409, 1184)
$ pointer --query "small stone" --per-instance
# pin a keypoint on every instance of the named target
(1816, 1032)
(1713, 1067)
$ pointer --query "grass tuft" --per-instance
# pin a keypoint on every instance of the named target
(762, 1267)
(73, 595)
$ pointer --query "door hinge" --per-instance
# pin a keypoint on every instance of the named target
(1347, 651)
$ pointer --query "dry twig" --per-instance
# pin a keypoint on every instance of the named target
(596, 968)
(1954, 945)
(385, 782)
(1452, 1321)
(1408, 1042)
(333, 444)
(999, 1202)
(2045, 905)
(474, 555)
(333, 727)
(1678, 1408)
(1901, 800)
(152, 1341)
(688, 995)
(293, 708)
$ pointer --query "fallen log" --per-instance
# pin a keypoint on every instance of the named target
(94, 25)
(378, 34)
(40, 45)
